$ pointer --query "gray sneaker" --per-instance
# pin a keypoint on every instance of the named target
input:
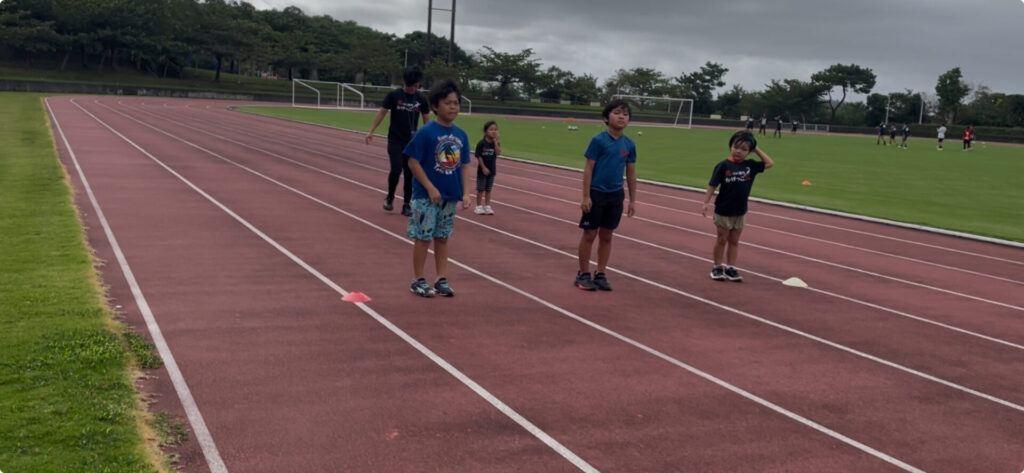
(584, 282)
(602, 282)
(421, 288)
(733, 275)
(718, 273)
(442, 288)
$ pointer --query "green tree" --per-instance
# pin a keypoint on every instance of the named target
(728, 103)
(637, 81)
(792, 99)
(701, 85)
(951, 90)
(847, 77)
(507, 69)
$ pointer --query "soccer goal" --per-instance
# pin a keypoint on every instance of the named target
(679, 111)
(321, 94)
(375, 95)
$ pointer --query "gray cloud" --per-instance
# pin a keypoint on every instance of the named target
(908, 43)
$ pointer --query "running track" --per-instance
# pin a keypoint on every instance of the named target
(232, 238)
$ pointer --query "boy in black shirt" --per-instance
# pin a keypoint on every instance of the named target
(406, 105)
(487, 152)
(736, 176)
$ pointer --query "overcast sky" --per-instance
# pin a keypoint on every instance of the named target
(907, 43)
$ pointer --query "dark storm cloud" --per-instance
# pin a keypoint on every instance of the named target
(908, 43)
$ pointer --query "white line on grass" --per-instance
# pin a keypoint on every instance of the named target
(367, 166)
(541, 245)
(708, 377)
(195, 418)
(466, 380)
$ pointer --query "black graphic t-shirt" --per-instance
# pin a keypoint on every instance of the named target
(736, 180)
(405, 114)
(486, 154)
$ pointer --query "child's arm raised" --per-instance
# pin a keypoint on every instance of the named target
(764, 157)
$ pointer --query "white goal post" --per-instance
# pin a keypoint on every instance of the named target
(332, 94)
(648, 102)
(326, 93)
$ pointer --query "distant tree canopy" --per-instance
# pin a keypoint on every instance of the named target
(165, 38)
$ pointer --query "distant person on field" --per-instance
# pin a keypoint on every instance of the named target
(750, 124)
(892, 134)
(609, 154)
(487, 152)
(881, 134)
(796, 123)
(906, 135)
(778, 127)
(406, 105)
(942, 135)
(968, 137)
(734, 177)
(764, 124)
(439, 158)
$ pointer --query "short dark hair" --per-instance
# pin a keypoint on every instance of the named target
(441, 90)
(488, 124)
(412, 75)
(741, 136)
(619, 102)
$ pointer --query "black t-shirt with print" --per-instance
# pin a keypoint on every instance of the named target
(486, 154)
(405, 114)
(736, 180)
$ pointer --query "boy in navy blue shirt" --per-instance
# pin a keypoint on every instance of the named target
(439, 159)
(736, 177)
(609, 154)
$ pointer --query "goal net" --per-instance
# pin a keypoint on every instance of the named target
(677, 111)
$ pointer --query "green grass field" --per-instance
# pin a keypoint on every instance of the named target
(66, 401)
(955, 190)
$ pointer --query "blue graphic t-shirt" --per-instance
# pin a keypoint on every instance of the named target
(441, 151)
(610, 156)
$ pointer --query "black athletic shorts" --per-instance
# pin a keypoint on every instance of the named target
(605, 210)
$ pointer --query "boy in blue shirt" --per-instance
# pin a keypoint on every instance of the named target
(439, 158)
(609, 154)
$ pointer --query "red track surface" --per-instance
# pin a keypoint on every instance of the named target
(906, 353)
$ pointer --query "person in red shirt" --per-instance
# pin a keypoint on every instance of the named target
(968, 137)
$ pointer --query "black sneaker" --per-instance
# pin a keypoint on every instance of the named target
(584, 282)
(406, 210)
(602, 282)
(733, 275)
(718, 273)
(389, 203)
(421, 288)
(442, 288)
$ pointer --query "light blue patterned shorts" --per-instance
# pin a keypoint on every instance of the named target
(429, 221)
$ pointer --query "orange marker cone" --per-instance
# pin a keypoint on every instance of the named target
(807, 183)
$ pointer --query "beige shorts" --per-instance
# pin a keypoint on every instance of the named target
(731, 223)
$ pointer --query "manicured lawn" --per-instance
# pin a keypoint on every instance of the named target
(66, 402)
(972, 192)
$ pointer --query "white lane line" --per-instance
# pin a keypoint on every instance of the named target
(466, 380)
(195, 418)
(840, 296)
(739, 391)
(555, 250)
(529, 166)
(794, 255)
(805, 237)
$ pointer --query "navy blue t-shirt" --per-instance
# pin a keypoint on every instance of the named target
(441, 151)
(405, 114)
(610, 156)
(736, 180)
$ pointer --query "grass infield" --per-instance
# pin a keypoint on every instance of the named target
(973, 192)
(66, 400)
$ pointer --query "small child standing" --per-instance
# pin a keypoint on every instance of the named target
(610, 153)
(736, 177)
(487, 152)
(942, 135)
(439, 160)
(906, 135)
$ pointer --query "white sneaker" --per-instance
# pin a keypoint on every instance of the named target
(488, 210)
(479, 210)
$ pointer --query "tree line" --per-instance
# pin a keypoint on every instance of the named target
(166, 37)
